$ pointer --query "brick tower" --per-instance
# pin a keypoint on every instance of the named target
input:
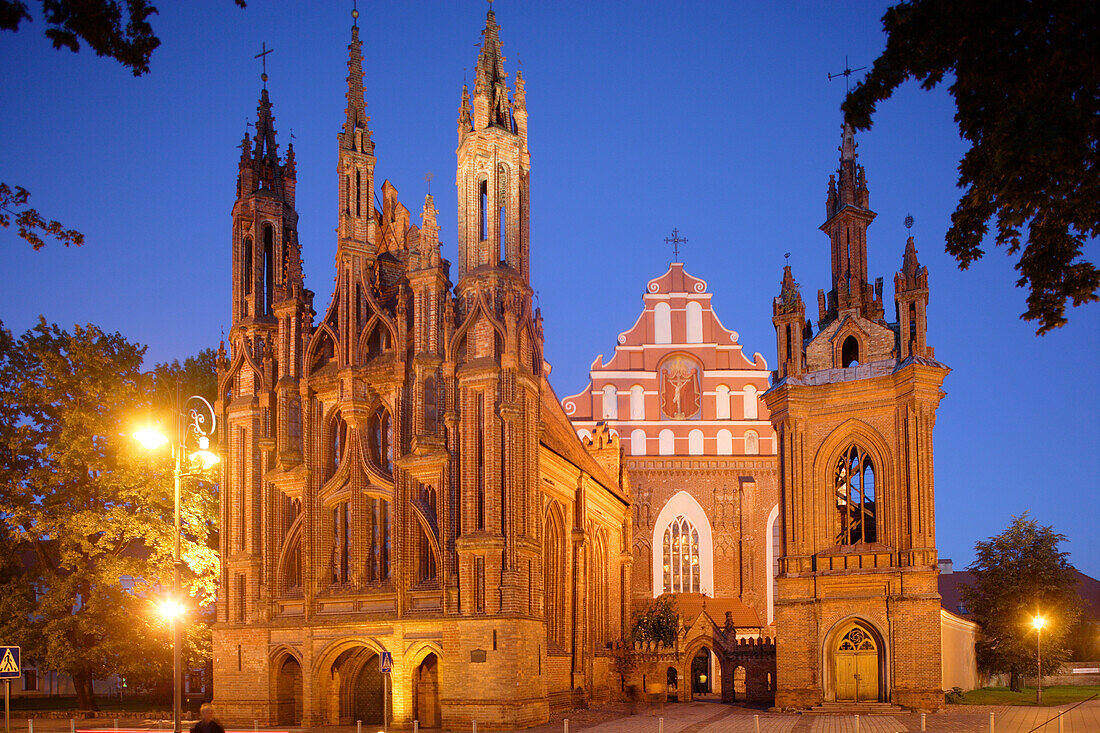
(858, 612)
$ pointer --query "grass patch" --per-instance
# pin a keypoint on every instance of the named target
(1056, 695)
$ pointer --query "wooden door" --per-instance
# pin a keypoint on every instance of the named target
(856, 658)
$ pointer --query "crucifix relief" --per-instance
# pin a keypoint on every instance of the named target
(680, 388)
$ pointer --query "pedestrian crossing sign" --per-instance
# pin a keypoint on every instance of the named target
(385, 662)
(9, 662)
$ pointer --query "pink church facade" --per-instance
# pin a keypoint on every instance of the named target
(685, 400)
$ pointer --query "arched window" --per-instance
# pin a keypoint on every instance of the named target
(722, 402)
(431, 406)
(377, 539)
(269, 268)
(849, 352)
(637, 402)
(380, 434)
(752, 443)
(247, 273)
(341, 543)
(695, 443)
(773, 552)
(428, 569)
(337, 444)
(725, 442)
(854, 479)
(662, 324)
(610, 402)
(637, 442)
(681, 557)
(554, 579)
(483, 210)
(694, 322)
(666, 443)
(696, 556)
(752, 411)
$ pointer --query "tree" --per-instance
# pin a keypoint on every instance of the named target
(1019, 574)
(88, 514)
(1026, 83)
(123, 34)
(659, 621)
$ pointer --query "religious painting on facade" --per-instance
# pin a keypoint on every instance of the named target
(680, 389)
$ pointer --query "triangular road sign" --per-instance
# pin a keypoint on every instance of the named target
(7, 664)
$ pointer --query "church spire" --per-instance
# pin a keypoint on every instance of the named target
(265, 147)
(491, 104)
(356, 110)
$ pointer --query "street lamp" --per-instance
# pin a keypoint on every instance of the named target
(1038, 623)
(192, 420)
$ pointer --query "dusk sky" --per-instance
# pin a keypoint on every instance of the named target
(715, 118)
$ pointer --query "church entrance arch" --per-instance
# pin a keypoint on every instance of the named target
(857, 655)
(288, 692)
(426, 692)
(700, 672)
(358, 687)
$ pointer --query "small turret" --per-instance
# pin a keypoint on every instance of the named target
(789, 317)
(911, 299)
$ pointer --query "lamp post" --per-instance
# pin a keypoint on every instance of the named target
(190, 420)
(1038, 623)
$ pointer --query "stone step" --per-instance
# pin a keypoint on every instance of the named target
(855, 708)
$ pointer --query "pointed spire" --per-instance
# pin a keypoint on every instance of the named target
(850, 186)
(790, 298)
(847, 143)
(357, 106)
(491, 103)
(465, 121)
(265, 147)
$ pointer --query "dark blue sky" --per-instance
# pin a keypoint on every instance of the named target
(716, 118)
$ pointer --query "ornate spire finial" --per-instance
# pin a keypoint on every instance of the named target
(428, 179)
(848, 71)
(675, 240)
(262, 55)
(354, 13)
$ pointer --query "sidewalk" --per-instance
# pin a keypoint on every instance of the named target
(711, 717)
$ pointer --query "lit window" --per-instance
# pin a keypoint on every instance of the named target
(681, 557)
(854, 480)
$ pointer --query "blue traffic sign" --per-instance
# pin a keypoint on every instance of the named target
(9, 663)
(385, 662)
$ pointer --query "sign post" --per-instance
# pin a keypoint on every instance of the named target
(9, 670)
(385, 666)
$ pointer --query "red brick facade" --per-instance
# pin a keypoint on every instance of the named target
(399, 477)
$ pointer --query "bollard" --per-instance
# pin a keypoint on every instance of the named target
(857, 724)
(359, 726)
(922, 722)
(474, 728)
(30, 725)
(565, 725)
(72, 725)
(660, 725)
(116, 725)
(756, 723)
(1060, 723)
(255, 724)
(991, 729)
(416, 726)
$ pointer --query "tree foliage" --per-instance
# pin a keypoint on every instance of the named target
(1026, 83)
(86, 529)
(32, 225)
(1019, 574)
(659, 621)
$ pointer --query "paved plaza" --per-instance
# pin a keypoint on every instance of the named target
(710, 717)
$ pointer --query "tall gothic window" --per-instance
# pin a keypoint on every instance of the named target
(431, 406)
(269, 268)
(428, 569)
(341, 543)
(554, 578)
(380, 429)
(483, 210)
(681, 557)
(854, 480)
(246, 267)
(337, 444)
(377, 539)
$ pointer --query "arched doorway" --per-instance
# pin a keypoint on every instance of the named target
(426, 692)
(856, 655)
(671, 684)
(288, 693)
(700, 672)
(360, 687)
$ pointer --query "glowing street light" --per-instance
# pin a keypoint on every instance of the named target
(1038, 622)
(197, 412)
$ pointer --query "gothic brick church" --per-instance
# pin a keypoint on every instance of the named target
(400, 481)
(399, 477)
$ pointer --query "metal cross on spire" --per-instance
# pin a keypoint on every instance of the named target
(675, 240)
(848, 71)
(909, 223)
(428, 179)
(262, 56)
